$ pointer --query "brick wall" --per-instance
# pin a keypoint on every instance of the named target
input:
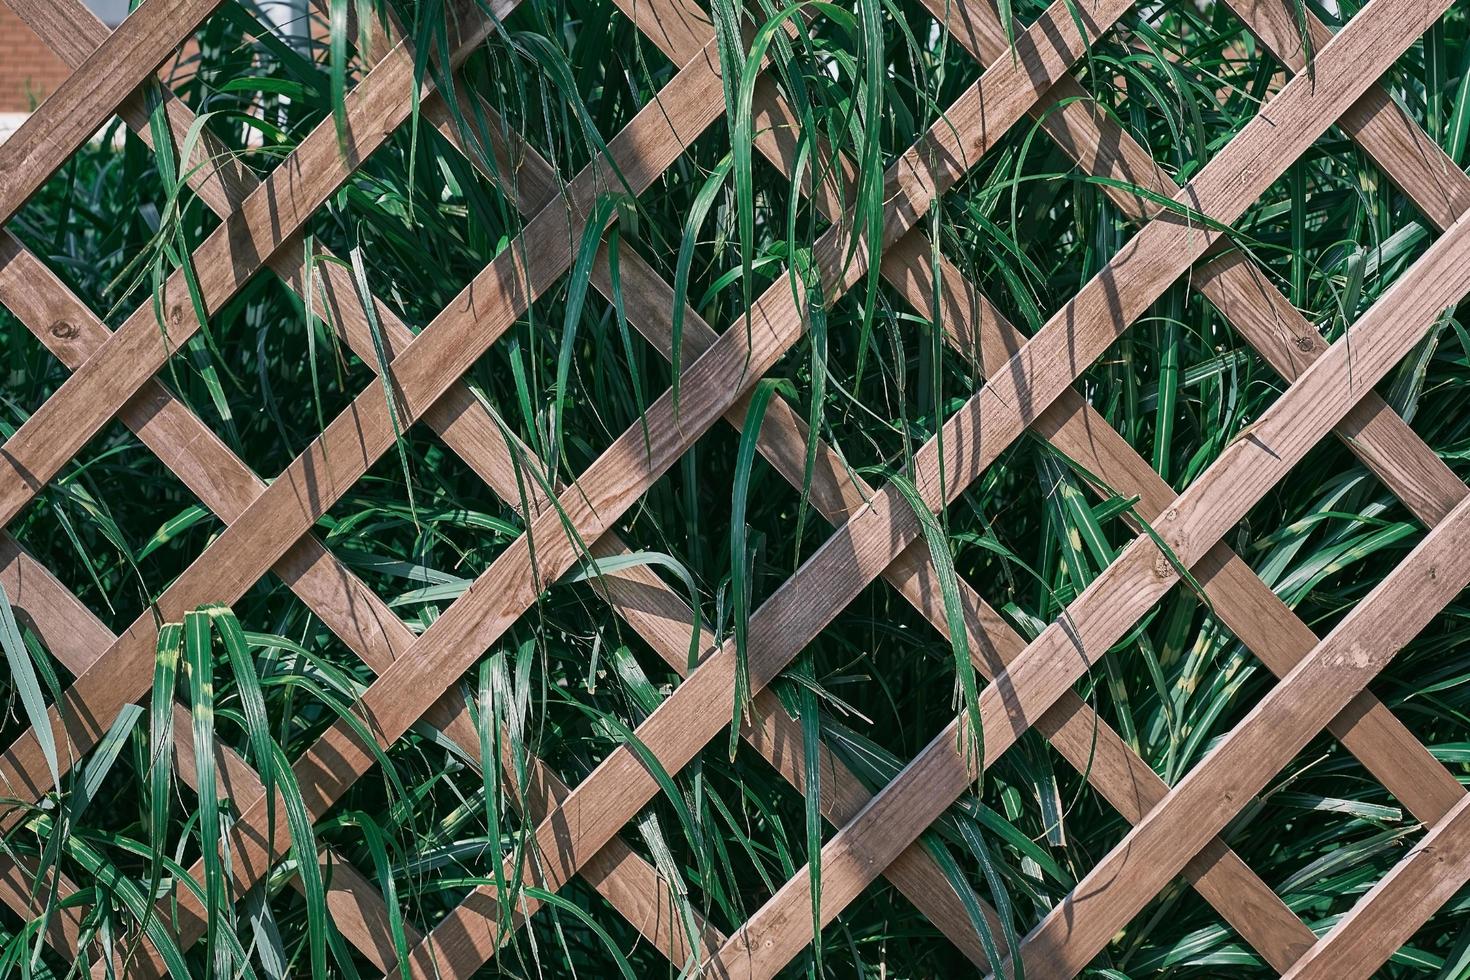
(28, 69)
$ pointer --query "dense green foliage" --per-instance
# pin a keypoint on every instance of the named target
(570, 680)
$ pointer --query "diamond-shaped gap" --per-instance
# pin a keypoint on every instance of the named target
(1179, 384)
(1333, 233)
(116, 552)
(1180, 934)
(419, 545)
(32, 372)
(566, 430)
(619, 71)
(99, 221)
(265, 379)
(1426, 385)
(687, 515)
(433, 844)
(110, 828)
(890, 380)
(1334, 831)
(263, 91)
(1326, 535)
(309, 679)
(555, 645)
(419, 243)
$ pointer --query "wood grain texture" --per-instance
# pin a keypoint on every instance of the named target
(1277, 330)
(1242, 764)
(334, 592)
(1029, 384)
(1120, 596)
(1268, 321)
(977, 331)
(267, 220)
(621, 785)
(356, 607)
(658, 614)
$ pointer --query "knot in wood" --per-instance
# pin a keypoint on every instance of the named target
(64, 330)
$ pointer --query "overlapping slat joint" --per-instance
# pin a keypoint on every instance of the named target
(1028, 384)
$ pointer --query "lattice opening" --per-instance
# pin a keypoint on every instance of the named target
(1351, 829)
(78, 518)
(419, 556)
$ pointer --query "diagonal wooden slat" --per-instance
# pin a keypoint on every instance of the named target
(1278, 331)
(327, 586)
(1092, 746)
(1203, 512)
(1115, 601)
(1245, 603)
(927, 170)
(266, 221)
(631, 445)
(773, 733)
(1030, 384)
(1286, 127)
(1097, 141)
(1414, 162)
(342, 446)
(356, 437)
(75, 637)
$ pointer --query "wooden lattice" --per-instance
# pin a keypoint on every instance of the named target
(1029, 385)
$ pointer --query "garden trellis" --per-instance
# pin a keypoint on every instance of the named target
(1028, 384)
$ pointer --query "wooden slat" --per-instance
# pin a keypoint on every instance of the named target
(1123, 593)
(267, 220)
(658, 614)
(1413, 161)
(357, 436)
(1099, 143)
(917, 178)
(76, 638)
(105, 688)
(1276, 329)
(1085, 740)
(1029, 384)
(329, 588)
